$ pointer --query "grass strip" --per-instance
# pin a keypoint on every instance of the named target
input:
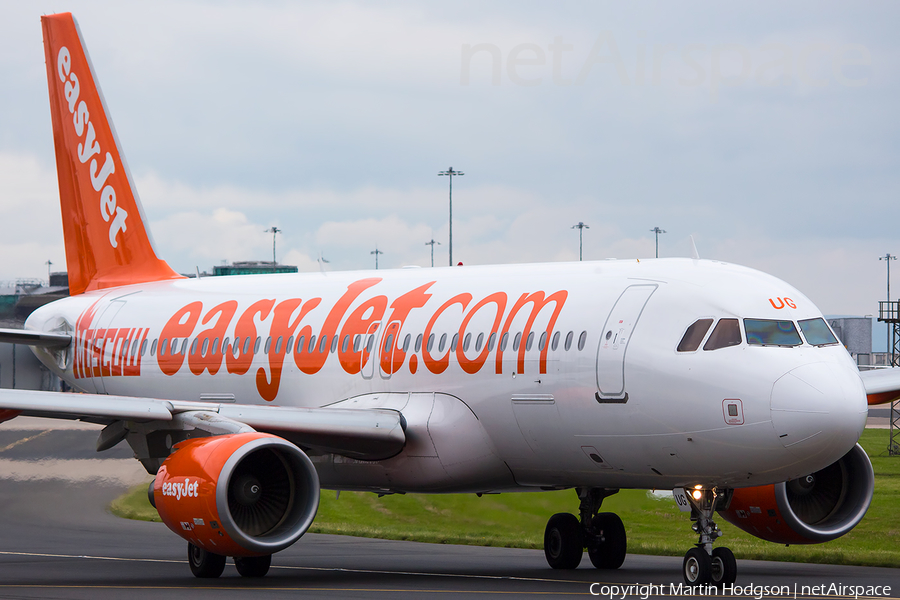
(654, 526)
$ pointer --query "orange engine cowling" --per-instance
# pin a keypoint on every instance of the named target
(245, 494)
(816, 508)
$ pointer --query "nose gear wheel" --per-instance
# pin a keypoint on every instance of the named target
(702, 564)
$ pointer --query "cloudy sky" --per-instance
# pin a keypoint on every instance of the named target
(767, 130)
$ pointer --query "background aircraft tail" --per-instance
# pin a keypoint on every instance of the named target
(107, 243)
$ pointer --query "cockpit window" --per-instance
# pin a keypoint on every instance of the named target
(764, 332)
(817, 333)
(727, 333)
(694, 335)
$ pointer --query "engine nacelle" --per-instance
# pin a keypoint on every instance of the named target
(809, 510)
(245, 494)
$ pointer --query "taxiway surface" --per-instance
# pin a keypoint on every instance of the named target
(59, 541)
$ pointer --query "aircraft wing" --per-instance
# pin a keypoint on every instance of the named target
(882, 385)
(371, 433)
(34, 338)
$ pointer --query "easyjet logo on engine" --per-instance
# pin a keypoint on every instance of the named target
(180, 489)
(81, 122)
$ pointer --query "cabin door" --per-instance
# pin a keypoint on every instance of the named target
(614, 340)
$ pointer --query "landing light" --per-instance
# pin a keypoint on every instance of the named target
(697, 494)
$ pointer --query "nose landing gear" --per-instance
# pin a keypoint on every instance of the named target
(702, 564)
(603, 534)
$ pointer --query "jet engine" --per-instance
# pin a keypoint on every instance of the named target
(244, 494)
(815, 508)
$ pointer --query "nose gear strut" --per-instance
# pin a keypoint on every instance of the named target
(703, 564)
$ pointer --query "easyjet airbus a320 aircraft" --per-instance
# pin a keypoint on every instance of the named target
(245, 395)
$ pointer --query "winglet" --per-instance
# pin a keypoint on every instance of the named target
(107, 243)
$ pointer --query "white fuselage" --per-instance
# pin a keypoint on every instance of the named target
(598, 397)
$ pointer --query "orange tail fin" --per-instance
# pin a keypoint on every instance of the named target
(107, 244)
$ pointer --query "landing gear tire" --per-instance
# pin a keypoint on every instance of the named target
(608, 544)
(697, 567)
(253, 566)
(563, 541)
(205, 564)
(724, 567)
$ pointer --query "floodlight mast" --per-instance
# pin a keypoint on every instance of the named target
(431, 243)
(580, 227)
(273, 230)
(450, 173)
(376, 252)
(657, 231)
(887, 258)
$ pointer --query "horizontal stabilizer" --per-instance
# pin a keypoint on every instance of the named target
(34, 338)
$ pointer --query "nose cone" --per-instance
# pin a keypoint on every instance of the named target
(819, 411)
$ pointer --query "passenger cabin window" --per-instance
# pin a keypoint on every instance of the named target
(817, 333)
(765, 332)
(694, 335)
(727, 333)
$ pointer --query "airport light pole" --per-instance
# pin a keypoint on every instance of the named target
(887, 258)
(49, 265)
(450, 173)
(580, 227)
(432, 243)
(657, 231)
(273, 230)
(376, 252)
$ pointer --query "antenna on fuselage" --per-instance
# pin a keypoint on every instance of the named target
(694, 254)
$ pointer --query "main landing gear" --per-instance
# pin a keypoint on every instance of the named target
(603, 534)
(702, 564)
(207, 565)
